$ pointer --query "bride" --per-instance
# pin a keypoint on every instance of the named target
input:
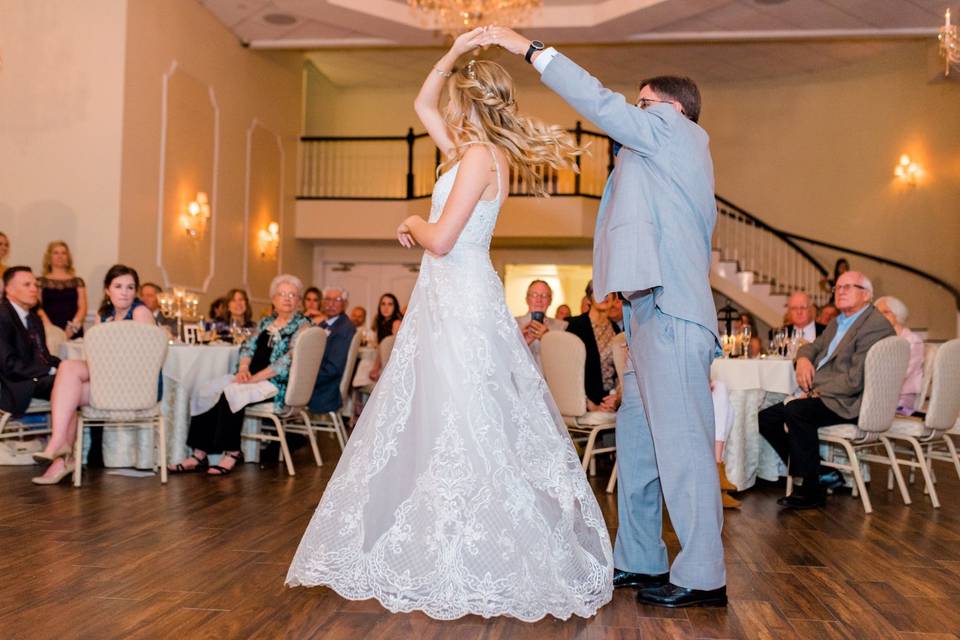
(459, 491)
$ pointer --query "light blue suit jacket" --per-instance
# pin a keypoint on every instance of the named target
(657, 214)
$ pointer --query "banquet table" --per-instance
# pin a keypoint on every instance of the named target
(753, 385)
(185, 368)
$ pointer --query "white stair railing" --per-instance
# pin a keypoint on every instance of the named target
(771, 257)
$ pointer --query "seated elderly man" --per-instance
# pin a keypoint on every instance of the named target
(26, 367)
(830, 375)
(800, 317)
(326, 390)
(535, 322)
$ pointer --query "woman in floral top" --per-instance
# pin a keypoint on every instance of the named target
(263, 373)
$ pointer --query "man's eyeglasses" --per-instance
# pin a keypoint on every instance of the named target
(539, 296)
(337, 299)
(848, 287)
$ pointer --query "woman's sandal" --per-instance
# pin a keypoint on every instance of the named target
(217, 470)
(202, 464)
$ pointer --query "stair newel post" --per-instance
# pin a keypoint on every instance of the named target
(410, 181)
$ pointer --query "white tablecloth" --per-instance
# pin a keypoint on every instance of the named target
(185, 367)
(754, 385)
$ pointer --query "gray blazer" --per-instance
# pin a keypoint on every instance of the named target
(657, 214)
(839, 382)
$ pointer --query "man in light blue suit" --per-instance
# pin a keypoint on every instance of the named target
(652, 244)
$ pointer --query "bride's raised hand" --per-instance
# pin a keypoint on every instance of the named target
(468, 41)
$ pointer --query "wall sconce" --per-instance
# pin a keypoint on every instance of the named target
(268, 240)
(194, 221)
(908, 171)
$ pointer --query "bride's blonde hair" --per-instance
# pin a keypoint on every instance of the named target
(483, 108)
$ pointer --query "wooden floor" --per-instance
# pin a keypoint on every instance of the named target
(206, 558)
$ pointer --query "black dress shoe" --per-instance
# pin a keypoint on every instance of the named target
(670, 595)
(796, 501)
(622, 579)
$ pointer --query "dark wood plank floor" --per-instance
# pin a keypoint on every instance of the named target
(206, 558)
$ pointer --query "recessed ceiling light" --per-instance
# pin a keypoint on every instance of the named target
(280, 19)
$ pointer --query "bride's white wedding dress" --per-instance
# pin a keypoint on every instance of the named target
(459, 490)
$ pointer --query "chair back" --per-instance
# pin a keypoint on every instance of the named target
(944, 407)
(563, 356)
(124, 359)
(191, 333)
(384, 349)
(306, 354)
(55, 337)
(883, 375)
(347, 379)
(929, 353)
(619, 347)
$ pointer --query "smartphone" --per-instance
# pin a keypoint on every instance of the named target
(536, 316)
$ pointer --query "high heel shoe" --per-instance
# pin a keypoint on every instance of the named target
(66, 471)
(42, 457)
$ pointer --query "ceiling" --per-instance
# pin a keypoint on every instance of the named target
(359, 43)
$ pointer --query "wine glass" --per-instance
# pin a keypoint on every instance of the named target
(745, 340)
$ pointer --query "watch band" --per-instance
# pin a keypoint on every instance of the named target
(535, 45)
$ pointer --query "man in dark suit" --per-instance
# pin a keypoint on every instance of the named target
(830, 373)
(326, 390)
(800, 316)
(26, 367)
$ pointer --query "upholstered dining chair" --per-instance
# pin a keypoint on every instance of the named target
(124, 359)
(938, 425)
(563, 356)
(306, 355)
(333, 421)
(384, 349)
(55, 337)
(884, 371)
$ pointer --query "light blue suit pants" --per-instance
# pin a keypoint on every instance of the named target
(665, 449)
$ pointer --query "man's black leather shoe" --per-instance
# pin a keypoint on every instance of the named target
(799, 502)
(670, 595)
(622, 579)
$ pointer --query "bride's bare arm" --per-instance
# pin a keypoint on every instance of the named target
(473, 177)
(427, 104)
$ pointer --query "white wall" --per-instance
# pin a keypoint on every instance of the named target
(61, 113)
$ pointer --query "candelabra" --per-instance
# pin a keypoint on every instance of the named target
(178, 304)
(949, 43)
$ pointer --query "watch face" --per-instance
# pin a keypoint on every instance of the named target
(536, 44)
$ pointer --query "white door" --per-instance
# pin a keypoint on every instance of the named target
(366, 282)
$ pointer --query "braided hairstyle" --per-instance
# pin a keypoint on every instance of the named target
(483, 107)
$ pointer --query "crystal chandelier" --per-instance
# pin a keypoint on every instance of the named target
(949, 43)
(453, 17)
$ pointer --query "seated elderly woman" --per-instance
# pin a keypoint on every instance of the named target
(263, 372)
(71, 388)
(896, 312)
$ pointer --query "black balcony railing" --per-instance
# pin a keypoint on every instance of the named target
(405, 168)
